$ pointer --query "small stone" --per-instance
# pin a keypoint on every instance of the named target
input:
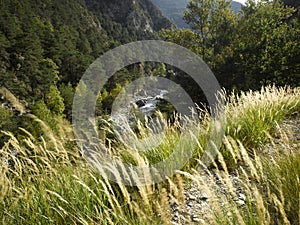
(192, 197)
(195, 218)
(203, 196)
(240, 202)
(190, 204)
(235, 180)
(242, 196)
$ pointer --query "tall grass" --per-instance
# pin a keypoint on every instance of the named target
(48, 184)
(45, 181)
(252, 115)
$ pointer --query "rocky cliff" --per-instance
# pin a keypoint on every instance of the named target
(141, 18)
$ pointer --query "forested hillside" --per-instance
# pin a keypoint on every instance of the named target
(45, 47)
(49, 41)
(52, 42)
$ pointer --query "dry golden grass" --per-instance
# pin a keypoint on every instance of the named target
(45, 181)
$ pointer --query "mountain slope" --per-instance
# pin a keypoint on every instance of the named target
(173, 9)
(43, 43)
(140, 18)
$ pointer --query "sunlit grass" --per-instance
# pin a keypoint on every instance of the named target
(252, 115)
(45, 180)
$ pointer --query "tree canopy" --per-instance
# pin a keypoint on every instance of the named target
(257, 47)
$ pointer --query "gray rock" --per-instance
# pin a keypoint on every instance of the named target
(195, 218)
(240, 202)
(192, 197)
(242, 196)
(203, 196)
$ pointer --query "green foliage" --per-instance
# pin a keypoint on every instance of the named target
(48, 75)
(43, 40)
(131, 21)
(54, 101)
(161, 70)
(183, 37)
(38, 43)
(52, 43)
(41, 110)
(114, 92)
(198, 15)
(7, 123)
(258, 47)
(67, 93)
(214, 23)
(265, 49)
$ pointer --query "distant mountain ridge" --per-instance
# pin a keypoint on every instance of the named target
(173, 9)
(142, 15)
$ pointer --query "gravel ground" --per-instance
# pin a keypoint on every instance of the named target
(197, 207)
(198, 204)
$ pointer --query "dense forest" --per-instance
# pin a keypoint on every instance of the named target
(258, 46)
(47, 45)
